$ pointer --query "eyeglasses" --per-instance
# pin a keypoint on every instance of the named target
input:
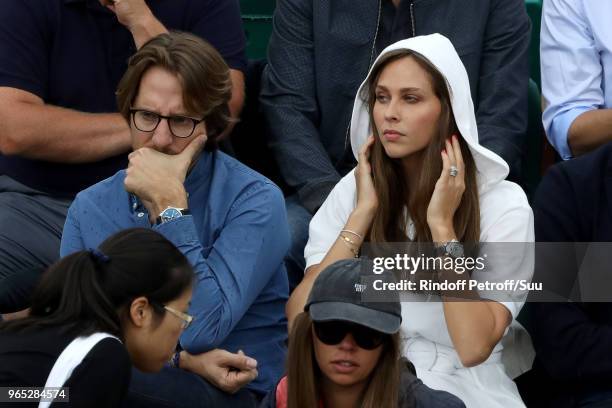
(147, 121)
(333, 332)
(187, 319)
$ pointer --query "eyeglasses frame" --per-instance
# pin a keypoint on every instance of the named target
(186, 318)
(195, 122)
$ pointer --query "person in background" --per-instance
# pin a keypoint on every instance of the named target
(424, 177)
(572, 208)
(123, 303)
(320, 51)
(576, 66)
(60, 63)
(228, 220)
(344, 351)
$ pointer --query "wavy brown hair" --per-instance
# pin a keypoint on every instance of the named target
(390, 182)
(303, 373)
(204, 76)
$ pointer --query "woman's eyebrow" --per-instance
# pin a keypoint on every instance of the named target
(406, 89)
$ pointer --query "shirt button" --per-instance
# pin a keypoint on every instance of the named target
(140, 214)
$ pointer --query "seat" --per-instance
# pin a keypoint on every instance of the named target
(257, 23)
(534, 10)
(532, 160)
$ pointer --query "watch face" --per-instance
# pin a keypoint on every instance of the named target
(170, 214)
(455, 249)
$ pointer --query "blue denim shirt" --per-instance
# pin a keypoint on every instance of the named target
(236, 239)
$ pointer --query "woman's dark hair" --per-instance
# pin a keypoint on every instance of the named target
(91, 291)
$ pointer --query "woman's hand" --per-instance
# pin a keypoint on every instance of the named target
(366, 194)
(447, 194)
(227, 371)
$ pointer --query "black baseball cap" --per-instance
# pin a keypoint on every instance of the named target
(338, 293)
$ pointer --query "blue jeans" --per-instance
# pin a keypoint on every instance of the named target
(173, 387)
(298, 218)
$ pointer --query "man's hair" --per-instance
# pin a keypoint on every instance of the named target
(202, 72)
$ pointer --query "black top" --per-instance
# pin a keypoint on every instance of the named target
(395, 24)
(101, 380)
(72, 53)
(572, 339)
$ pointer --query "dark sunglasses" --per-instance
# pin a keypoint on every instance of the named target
(333, 332)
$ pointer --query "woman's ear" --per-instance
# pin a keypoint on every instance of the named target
(140, 312)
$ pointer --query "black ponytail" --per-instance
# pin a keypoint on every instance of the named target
(90, 291)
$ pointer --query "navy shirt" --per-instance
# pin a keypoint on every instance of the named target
(72, 53)
(395, 24)
(236, 239)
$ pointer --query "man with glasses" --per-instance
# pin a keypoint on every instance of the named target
(60, 62)
(228, 220)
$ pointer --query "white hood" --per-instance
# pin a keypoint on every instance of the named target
(441, 53)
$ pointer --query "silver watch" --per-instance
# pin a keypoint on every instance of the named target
(452, 248)
(171, 213)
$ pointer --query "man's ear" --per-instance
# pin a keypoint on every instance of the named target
(140, 312)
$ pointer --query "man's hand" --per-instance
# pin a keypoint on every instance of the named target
(227, 371)
(130, 13)
(158, 178)
(137, 17)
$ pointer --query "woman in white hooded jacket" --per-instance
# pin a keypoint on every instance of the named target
(422, 176)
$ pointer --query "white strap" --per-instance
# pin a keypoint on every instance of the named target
(70, 358)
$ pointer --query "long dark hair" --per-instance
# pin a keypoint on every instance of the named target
(390, 221)
(303, 373)
(90, 291)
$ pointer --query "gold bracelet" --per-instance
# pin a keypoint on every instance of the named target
(347, 239)
(353, 233)
(348, 243)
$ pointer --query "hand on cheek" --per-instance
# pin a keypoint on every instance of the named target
(158, 179)
(448, 193)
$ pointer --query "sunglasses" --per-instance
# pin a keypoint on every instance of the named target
(333, 332)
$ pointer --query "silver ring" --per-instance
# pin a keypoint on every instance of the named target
(453, 171)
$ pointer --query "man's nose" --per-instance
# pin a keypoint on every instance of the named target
(162, 137)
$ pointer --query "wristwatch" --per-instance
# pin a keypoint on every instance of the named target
(171, 213)
(452, 248)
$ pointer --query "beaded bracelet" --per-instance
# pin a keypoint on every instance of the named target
(174, 361)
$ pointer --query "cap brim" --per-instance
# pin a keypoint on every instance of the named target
(374, 319)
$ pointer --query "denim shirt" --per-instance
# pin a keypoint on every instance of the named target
(236, 238)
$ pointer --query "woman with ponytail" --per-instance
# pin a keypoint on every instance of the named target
(95, 313)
